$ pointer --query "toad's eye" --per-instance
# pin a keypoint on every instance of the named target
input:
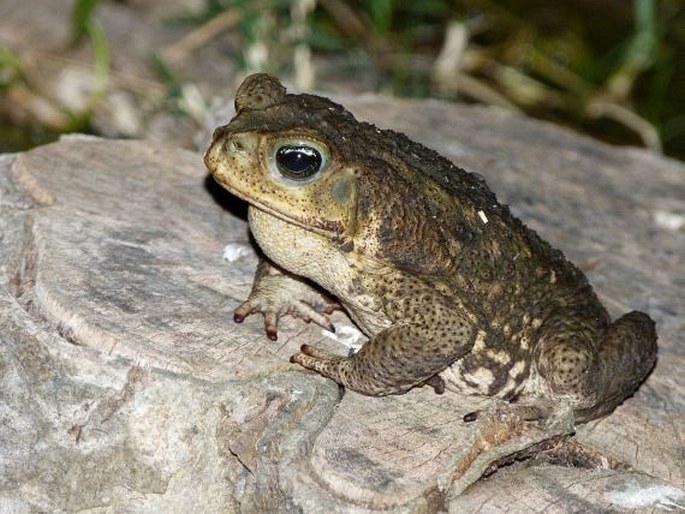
(298, 161)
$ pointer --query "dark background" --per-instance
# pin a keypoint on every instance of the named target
(614, 69)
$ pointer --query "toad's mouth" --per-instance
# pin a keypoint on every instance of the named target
(333, 230)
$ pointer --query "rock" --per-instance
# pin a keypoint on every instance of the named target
(126, 386)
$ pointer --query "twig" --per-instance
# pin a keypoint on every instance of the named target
(647, 132)
(201, 35)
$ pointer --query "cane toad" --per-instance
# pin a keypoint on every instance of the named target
(422, 257)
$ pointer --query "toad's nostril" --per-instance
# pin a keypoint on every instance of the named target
(239, 143)
(234, 145)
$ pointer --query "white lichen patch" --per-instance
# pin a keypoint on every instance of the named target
(236, 251)
(347, 335)
(640, 497)
(669, 220)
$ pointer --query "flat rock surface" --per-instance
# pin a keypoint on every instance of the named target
(126, 386)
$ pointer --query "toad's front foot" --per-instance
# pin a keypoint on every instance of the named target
(276, 293)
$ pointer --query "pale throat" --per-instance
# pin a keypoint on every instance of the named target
(297, 250)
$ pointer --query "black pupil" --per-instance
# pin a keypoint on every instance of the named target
(298, 161)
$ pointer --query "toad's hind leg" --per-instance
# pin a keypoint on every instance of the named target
(393, 361)
(598, 371)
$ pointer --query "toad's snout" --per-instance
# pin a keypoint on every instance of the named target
(230, 152)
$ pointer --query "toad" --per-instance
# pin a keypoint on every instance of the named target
(440, 276)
